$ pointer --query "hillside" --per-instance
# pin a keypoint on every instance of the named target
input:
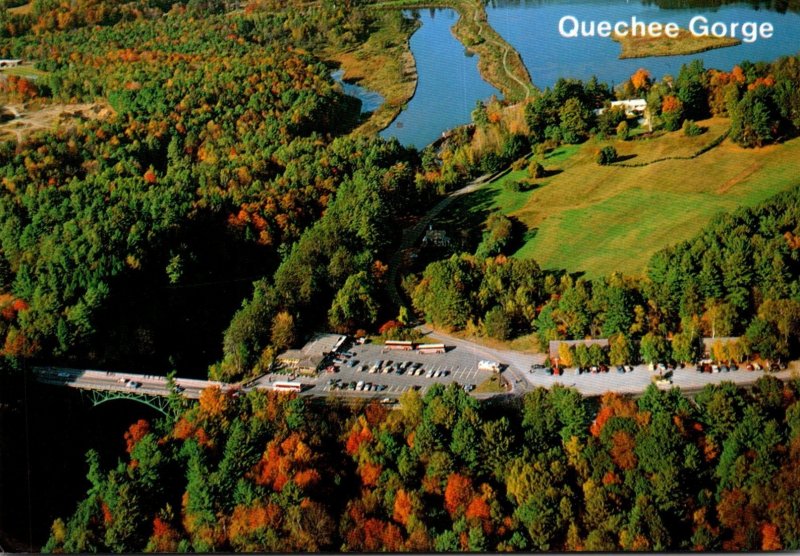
(596, 219)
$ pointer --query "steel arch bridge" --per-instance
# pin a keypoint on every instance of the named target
(159, 403)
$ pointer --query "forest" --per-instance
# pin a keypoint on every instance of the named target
(552, 471)
(738, 278)
(224, 146)
(224, 203)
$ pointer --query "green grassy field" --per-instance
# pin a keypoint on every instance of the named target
(596, 219)
(24, 71)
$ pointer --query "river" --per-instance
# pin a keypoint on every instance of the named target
(532, 28)
(449, 83)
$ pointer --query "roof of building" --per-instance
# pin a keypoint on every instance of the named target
(312, 354)
(553, 348)
(708, 342)
(634, 103)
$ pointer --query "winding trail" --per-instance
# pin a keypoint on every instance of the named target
(506, 48)
(412, 235)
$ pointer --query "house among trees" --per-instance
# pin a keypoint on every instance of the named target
(556, 344)
(9, 63)
(634, 108)
(437, 238)
(308, 359)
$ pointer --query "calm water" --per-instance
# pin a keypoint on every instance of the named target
(370, 100)
(448, 86)
(532, 28)
(449, 81)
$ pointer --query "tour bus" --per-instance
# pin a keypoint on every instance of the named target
(399, 345)
(431, 348)
(287, 386)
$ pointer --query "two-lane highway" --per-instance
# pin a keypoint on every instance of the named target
(110, 381)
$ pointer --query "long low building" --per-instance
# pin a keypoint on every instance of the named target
(309, 358)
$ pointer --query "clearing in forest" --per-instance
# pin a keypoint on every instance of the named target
(596, 219)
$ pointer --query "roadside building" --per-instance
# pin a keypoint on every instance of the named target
(308, 359)
(9, 63)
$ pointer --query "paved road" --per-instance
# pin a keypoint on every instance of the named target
(117, 382)
(518, 372)
(460, 363)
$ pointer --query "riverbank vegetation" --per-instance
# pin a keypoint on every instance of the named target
(684, 43)
(264, 472)
(382, 63)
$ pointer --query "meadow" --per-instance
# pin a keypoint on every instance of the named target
(596, 219)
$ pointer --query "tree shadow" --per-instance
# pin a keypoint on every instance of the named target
(520, 235)
(464, 218)
(625, 157)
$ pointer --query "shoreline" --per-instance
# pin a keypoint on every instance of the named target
(360, 67)
(499, 63)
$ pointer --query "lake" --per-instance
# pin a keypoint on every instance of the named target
(448, 85)
(370, 100)
(449, 82)
(532, 28)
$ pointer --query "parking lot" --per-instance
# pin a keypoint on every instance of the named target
(455, 365)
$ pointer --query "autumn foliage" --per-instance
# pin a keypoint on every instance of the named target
(135, 433)
(289, 460)
(457, 493)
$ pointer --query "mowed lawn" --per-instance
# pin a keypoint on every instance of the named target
(599, 219)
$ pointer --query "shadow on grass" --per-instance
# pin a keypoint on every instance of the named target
(625, 157)
(463, 220)
(520, 235)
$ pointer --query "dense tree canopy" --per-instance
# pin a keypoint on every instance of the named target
(444, 472)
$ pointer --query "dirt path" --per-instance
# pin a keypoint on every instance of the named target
(26, 121)
(506, 48)
(411, 236)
